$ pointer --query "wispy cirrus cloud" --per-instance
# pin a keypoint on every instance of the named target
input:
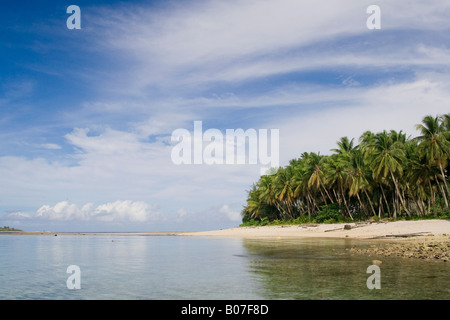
(203, 42)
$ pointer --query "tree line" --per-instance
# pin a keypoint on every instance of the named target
(384, 175)
(7, 228)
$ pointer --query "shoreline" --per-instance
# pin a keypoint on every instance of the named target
(354, 230)
(70, 233)
(419, 239)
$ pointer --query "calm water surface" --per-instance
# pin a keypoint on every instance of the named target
(176, 267)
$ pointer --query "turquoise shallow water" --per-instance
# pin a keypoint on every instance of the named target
(176, 267)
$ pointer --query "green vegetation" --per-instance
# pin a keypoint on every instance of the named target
(387, 175)
(6, 228)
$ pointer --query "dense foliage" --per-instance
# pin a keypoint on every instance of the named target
(386, 175)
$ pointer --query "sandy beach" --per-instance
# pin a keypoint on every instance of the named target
(364, 230)
(357, 230)
(423, 239)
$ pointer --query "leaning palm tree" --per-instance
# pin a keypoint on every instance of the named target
(386, 159)
(316, 181)
(359, 178)
(434, 145)
(421, 175)
(303, 196)
(336, 172)
(268, 193)
(284, 191)
(254, 203)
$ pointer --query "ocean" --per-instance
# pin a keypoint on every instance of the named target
(167, 267)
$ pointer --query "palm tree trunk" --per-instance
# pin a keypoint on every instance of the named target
(432, 198)
(399, 194)
(313, 202)
(380, 207)
(291, 208)
(385, 200)
(424, 206)
(406, 200)
(422, 203)
(328, 195)
(442, 191)
(338, 199)
(361, 204)
(370, 202)
(395, 207)
(298, 205)
(443, 178)
(345, 202)
(323, 196)
(280, 209)
(308, 203)
(419, 209)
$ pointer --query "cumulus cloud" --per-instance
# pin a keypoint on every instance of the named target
(124, 210)
(118, 211)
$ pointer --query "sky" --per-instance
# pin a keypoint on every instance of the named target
(87, 115)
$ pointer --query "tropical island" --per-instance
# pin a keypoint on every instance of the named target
(388, 186)
(388, 175)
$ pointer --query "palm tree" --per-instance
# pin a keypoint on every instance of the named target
(266, 191)
(359, 177)
(336, 171)
(386, 157)
(302, 193)
(316, 181)
(345, 146)
(387, 171)
(434, 145)
(254, 203)
(284, 191)
(421, 175)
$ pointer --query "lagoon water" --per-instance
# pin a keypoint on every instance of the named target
(178, 267)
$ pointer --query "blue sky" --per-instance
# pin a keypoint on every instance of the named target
(86, 115)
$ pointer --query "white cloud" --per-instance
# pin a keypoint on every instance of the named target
(202, 42)
(118, 211)
(124, 210)
(61, 211)
(397, 106)
(19, 215)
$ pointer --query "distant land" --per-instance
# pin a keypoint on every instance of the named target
(6, 228)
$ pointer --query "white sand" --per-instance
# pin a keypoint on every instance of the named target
(358, 230)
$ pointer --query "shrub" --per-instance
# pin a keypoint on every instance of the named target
(329, 214)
